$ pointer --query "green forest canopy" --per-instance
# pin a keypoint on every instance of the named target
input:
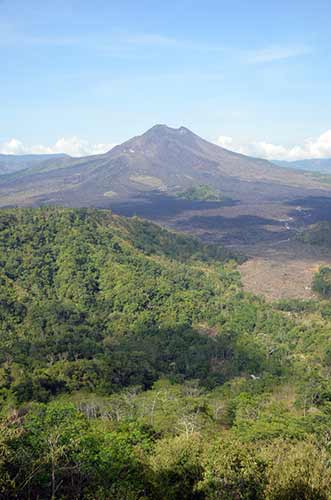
(133, 365)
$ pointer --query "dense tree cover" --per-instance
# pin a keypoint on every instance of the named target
(75, 451)
(82, 307)
(133, 366)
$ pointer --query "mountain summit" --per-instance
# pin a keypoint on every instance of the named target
(158, 136)
(162, 160)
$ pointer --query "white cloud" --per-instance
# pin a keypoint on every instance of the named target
(225, 141)
(319, 147)
(73, 146)
(12, 147)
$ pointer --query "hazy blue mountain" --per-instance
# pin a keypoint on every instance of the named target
(314, 165)
(14, 163)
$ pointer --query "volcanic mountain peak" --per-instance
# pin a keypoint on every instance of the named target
(164, 132)
(163, 159)
(156, 140)
(161, 137)
(163, 129)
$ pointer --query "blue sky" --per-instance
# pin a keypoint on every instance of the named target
(244, 73)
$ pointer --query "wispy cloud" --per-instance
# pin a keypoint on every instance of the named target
(149, 39)
(162, 41)
(10, 36)
(272, 54)
(170, 77)
(122, 42)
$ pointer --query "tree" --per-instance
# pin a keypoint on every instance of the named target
(322, 282)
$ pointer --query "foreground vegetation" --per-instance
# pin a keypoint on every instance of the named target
(133, 366)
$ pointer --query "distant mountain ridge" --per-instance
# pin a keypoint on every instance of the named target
(163, 160)
(315, 164)
(14, 163)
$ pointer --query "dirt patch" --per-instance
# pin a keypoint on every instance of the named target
(283, 271)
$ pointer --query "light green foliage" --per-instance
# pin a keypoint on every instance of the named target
(177, 467)
(297, 471)
(233, 470)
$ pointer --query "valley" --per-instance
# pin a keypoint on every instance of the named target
(278, 264)
(164, 313)
(184, 183)
(165, 250)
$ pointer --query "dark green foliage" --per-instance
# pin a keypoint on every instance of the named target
(90, 300)
(297, 305)
(152, 239)
(322, 282)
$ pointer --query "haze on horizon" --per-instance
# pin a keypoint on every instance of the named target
(81, 77)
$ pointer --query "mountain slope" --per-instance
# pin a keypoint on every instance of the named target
(162, 160)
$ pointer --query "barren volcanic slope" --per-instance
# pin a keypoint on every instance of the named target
(162, 160)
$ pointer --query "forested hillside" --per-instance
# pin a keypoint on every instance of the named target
(91, 310)
(133, 366)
